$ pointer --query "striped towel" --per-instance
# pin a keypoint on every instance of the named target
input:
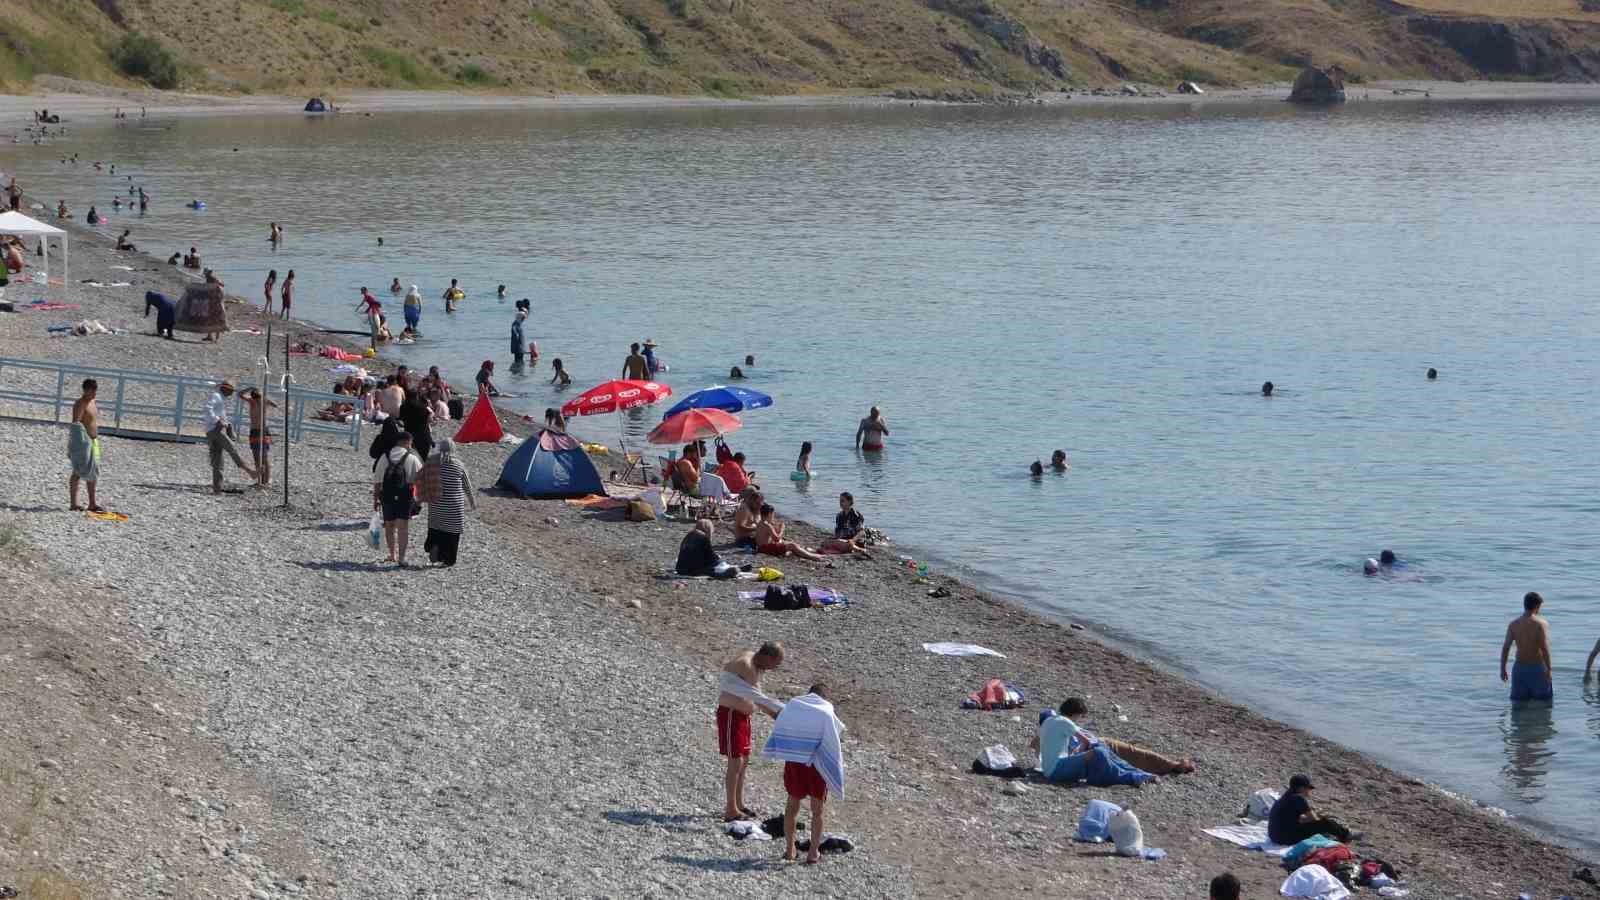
(808, 732)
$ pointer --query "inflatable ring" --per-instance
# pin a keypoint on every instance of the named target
(798, 475)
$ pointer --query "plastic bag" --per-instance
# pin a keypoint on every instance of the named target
(1126, 832)
(997, 757)
(1094, 824)
(375, 531)
(767, 573)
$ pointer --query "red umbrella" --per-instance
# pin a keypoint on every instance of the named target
(615, 395)
(693, 424)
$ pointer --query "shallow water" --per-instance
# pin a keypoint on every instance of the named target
(1115, 282)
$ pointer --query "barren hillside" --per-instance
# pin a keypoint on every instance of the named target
(749, 47)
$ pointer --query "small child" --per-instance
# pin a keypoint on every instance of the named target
(802, 466)
(802, 781)
(560, 377)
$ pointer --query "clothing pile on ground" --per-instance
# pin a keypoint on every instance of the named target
(1320, 867)
(1103, 821)
(996, 694)
(997, 760)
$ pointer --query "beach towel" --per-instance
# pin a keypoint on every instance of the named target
(947, 648)
(107, 515)
(83, 452)
(1313, 881)
(819, 596)
(1249, 835)
(808, 732)
(729, 683)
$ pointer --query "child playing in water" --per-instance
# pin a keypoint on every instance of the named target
(560, 377)
(802, 466)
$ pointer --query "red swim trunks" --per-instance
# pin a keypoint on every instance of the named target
(802, 781)
(733, 732)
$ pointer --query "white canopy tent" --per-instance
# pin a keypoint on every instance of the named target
(20, 225)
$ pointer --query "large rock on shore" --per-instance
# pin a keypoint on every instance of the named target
(1318, 86)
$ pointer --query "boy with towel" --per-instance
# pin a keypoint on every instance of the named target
(739, 694)
(83, 445)
(806, 737)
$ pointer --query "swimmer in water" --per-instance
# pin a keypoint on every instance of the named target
(1433, 374)
(735, 373)
(1266, 389)
(750, 360)
(1369, 567)
(500, 294)
(1058, 461)
(1037, 469)
(1387, 559)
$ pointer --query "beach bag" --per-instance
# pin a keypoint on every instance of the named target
(1094, 825)
(1127, 834)
(639, 511)
(802, 597)
(1260, 804)
(375, 531)
(428, 489)
(775, 599)
(767, 573)
(395, 491)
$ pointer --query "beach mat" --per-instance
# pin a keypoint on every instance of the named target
(1249, 836)
(823, 596)
(598, 501)
(107, 516)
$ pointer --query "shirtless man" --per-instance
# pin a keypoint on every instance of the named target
(740, 694)
(1531, 676)
(83, 446)
(260, 434)
(871, 432)
(747, 518)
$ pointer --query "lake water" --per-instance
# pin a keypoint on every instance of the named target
(1116, 282)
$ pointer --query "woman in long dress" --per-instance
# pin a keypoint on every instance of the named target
(448, 490)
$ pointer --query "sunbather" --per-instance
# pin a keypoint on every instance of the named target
(1069, 756)
(1077, 709)
(769, 537)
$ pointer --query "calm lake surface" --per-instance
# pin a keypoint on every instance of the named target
(1116, 282)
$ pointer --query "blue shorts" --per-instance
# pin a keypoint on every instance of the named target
(1528, 682)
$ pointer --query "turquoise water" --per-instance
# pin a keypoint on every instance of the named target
(1113, 282)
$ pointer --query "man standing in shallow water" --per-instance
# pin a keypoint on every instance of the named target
(740, 693)
(1531, 677)
(871, 432)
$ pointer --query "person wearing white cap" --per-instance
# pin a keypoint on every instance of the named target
(219, 436)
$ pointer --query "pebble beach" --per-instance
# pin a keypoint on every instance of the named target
(225, 697)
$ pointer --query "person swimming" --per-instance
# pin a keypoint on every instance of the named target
(1369, 566)
(1058, 461)
(1037, 469)
(735, 373)
(1388, 561)
(1433, 374)
(1266, 389)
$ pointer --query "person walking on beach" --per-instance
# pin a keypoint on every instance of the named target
(448, 491)
(393, 496)
(518, 344)
(635, 367)
(1292, 819)
(739, 693)
(83, 446)
(871, 432)
(412, 308)
(1531, 677)
(287, 295)
(260, 434)
(219, 436)
(266, 291)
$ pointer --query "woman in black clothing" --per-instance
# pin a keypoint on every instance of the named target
(695, 556)
(415, 415)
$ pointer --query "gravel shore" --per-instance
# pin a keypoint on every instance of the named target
(230, 698)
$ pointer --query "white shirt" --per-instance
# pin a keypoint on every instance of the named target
(216, 411)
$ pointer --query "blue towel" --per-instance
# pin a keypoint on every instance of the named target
(1095, 823)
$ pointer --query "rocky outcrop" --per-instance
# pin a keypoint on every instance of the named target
(1008, 31)
(1318, 86)
(1546, 50)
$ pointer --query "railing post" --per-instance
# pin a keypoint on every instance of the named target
(61, 381)
(177, 413)
(122, 383)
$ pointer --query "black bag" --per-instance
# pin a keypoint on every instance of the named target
(396, 493)
(777, 598)
(802, 597)
(456, 409)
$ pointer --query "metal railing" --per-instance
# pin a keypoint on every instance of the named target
(150, 404)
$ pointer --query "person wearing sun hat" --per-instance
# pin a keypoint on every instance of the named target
(219, 436)
(649, 353)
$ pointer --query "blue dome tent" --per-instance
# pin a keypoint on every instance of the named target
(551, 466)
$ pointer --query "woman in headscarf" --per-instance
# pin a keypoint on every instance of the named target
(416, 416)
(448, 491)
(413, 307)
(388, 436)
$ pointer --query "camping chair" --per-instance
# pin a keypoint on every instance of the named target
(713, 495)
(635, 466)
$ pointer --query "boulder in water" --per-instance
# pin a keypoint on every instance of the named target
(1318, 86)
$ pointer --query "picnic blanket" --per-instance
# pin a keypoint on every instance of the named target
(1251, 836)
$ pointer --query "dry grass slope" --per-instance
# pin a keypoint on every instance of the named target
(750, 47)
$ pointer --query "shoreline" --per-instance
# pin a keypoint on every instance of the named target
(85, 101)
(1172, 712)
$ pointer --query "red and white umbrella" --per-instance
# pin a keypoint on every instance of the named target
(614, 396)
(694, 424)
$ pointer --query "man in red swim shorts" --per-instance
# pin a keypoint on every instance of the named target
(740, 694)
(802, 781)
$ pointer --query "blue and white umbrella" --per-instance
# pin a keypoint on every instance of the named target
(727, 399)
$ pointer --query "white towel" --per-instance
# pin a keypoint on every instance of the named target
(1251, 836)
(730, 683)
(808, 732)
(947, 648)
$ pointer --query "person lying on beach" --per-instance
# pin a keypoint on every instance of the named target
(1077, 709)
(1069, 756)
(1531, 677)
(1292, 819)
(739, 693)
(747, 517)
(122, 241)
(560, 378)
(696, 557)
(336, 411)
(848, 529)
(769, 538)
(1058, 461)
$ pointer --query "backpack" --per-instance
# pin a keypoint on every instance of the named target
(395, 490)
